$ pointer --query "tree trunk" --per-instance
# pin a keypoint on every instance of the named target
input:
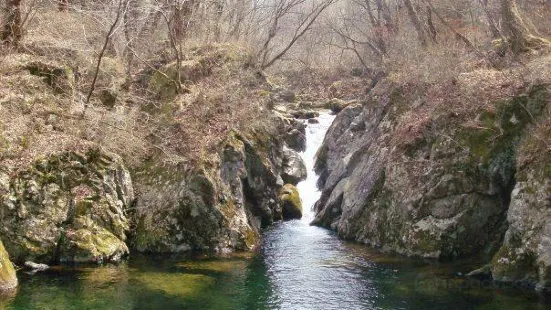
(520, 38)
(491, 22)
(376, 27)
(131, 16)
(11, 29)
(384, 10)
(63, 5)
(416, 21)
(430, 25)
(181, 18)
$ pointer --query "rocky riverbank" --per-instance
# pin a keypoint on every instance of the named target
(450, 170)
(145, 167)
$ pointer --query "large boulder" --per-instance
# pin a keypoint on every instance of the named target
(217, 206)
(294, 169)
(283, 94)
(402, 176)
(291, 205)
(69, 207)
(337, 105)
(8, 278)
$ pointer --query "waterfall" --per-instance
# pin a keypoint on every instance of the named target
(309, 193)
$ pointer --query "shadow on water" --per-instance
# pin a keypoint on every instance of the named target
(149, 283)
(298, 266)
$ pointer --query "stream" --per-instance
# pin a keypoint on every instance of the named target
(298, 266)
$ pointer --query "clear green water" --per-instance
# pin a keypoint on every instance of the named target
(297, 267)
(348, 278)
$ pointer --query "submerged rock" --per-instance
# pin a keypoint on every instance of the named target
(36, 267)
(68, 207)
(8, 278)
(291, 205)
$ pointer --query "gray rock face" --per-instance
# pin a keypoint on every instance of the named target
(219, 206)
(67, 207)
(296, 139)
(294, 169)
(526, 251)
(283, 94)
(442, 193)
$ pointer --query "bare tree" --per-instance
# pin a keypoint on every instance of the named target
(520, 37)
(457, 34)
(416, 21)
(362, 30)
(376, 24)
(283, 9)
(494, 30)
(121, 7)
(180, 20)
(12, 26)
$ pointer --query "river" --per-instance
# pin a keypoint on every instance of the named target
(298, 266)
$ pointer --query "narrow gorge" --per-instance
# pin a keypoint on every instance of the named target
(275, 154)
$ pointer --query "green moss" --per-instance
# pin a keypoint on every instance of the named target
(493, 145)
(24, 141)
(251, 238)
(90, 243)
(507, 266)
(148, 234)
(164, 83)
(547, 170)
(426, 242)
(290, 200)
(321, 158)
(264, 93)
(8, 278)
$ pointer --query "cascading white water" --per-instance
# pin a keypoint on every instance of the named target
(309, 267)
(315, 133)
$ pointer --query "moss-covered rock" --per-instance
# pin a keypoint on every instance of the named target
(526, 251)
(8, 278)
(422, 181)
(291, 205)
(215, 206)
(166, 82)
(68, 207)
